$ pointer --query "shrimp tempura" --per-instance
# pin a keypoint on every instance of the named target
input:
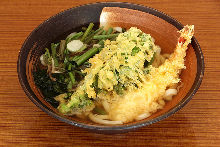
(145, 100)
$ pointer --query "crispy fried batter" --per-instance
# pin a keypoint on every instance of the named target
(144, 100)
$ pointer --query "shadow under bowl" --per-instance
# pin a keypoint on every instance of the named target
(161, 26)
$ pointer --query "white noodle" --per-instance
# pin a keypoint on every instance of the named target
(102, 121)
(105, 105)
(101, 116)
(169, 93)
(142, 116)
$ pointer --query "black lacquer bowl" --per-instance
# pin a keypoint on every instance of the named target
(161, 26)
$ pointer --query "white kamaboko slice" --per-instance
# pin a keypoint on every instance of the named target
(74, 45)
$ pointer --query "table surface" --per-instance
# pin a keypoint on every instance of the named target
(22, 123)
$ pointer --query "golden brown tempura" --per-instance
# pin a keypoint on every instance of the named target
(144, 101)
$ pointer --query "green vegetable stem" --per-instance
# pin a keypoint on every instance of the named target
(87, 55)
(53, 49)
(99, 37)
(87, 31)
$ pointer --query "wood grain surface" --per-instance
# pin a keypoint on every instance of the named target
(23, 124)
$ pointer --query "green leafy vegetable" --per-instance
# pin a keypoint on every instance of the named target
(69, 66)
(146, 63)
(54, 53)
(135, 50)
(119, 88)
(47, 57)
(99, 111)
(50, 88)
(95, 85)
(77, 101)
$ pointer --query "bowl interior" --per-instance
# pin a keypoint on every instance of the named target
(160, 26)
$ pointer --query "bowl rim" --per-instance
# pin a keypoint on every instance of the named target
(146, 9)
